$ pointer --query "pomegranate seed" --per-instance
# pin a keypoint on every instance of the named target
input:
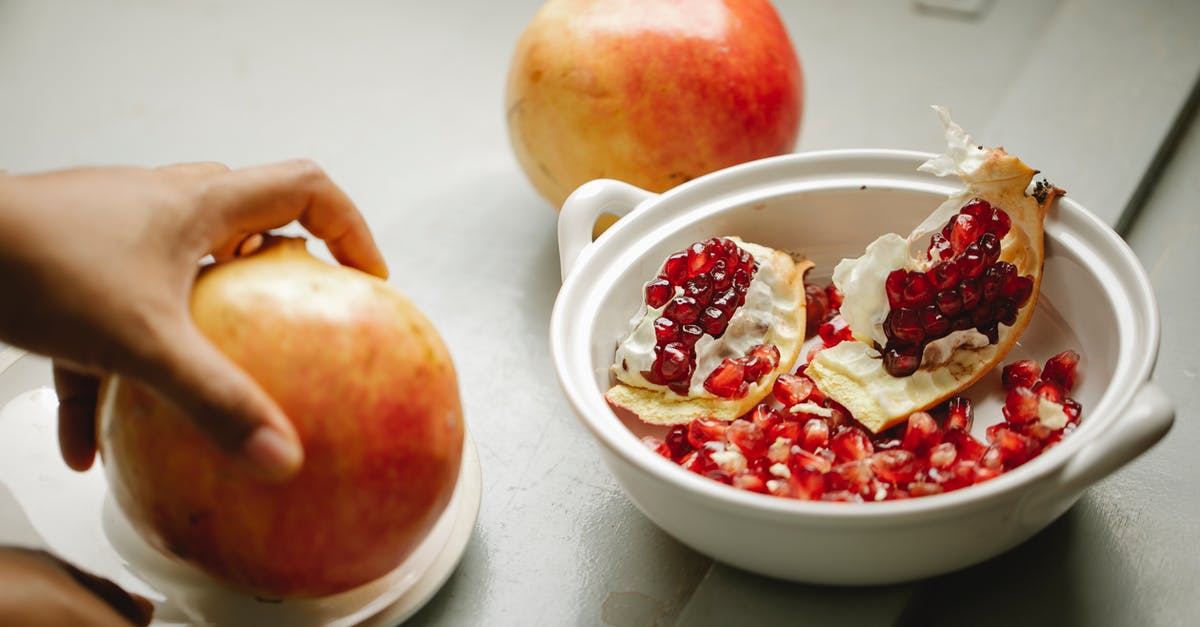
(713, 321)
(961, 414)
(697, 461)
(792, 389)
(924, 488)
(852, 476)
(816, 306)
(893, 285)
(934, 323)
(1050, 391)
(726, 301)
(968, 447)
(750, 482)
(748, 437)
(835, 296)
(971, 262)
(806, 483)
(741, 279)
(678, 443)
(689, 334)
(921, 434)
(942, 455)
(835, 331)
(722, 278)
(989, 245)
(918, 290)
(657, 446)
(1061, 369)
(658, 292)
(971, 291)
(786, 429)
(977, 207)
(727, 380)
(815, 434)
(1020, 405)
(1024, 372)
(799, 459)
(939, 248)
(698, 287)
(675, 362)
(850, 443)
(949, 301)
(966, 229)
(704, 430)
(895, 466)
(769, 353)
(699, 261)
(901, 362)
(764, 416)
(999, 223)
(675, 268)
(944, 275)
(665, 330)
(1014, 448)
(682, 309)
(1018, 289)
(903, 326)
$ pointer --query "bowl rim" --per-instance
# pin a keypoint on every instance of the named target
(718, 191)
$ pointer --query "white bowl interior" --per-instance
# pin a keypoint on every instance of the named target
(837, 221)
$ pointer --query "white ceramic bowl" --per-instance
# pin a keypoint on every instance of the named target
(1096, 299)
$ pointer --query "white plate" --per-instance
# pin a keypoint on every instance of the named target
(44, 504)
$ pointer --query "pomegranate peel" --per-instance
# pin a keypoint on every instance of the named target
(700, 388)
(887, 370)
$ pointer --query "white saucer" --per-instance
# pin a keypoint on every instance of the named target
(70, 514)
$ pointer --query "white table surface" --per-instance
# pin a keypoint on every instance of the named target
(403, 103)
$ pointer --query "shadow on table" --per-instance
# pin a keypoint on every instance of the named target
(1072, 573)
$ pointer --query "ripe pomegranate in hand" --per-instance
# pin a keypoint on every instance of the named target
(650, 92)
(373, 395)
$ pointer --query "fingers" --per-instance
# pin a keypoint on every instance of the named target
(264, 197)
(76, 416)
(227, 404)
(137, 609)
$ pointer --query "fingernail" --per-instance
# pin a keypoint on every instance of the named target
(272, 454)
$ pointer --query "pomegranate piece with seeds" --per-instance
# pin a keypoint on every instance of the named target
(929, 314)
(685, 355)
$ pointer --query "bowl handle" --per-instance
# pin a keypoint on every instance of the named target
(584, 206)
(1143, 422)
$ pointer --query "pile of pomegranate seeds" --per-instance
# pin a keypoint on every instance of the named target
(967, 287)
(699, 290)
(805, 446)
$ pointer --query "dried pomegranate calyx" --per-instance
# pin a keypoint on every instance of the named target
(932, 312)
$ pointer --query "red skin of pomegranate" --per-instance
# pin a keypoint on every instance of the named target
(650, 92)
(373, 394)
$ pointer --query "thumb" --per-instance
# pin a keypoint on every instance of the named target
(227, 405)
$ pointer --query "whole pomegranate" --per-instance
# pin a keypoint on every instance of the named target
(650, 92)
(373, 395)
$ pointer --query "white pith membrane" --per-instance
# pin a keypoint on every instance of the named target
(852, 372)
(773, 313)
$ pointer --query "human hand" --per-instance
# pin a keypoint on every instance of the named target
(42, 590)
(97, 266)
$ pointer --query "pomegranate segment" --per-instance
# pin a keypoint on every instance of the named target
(967, 286)
(778, 451)
(699, 289)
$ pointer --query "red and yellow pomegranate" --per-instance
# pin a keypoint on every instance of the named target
(719, 323)
(929, 314)
(372, 392)
(650, 92)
